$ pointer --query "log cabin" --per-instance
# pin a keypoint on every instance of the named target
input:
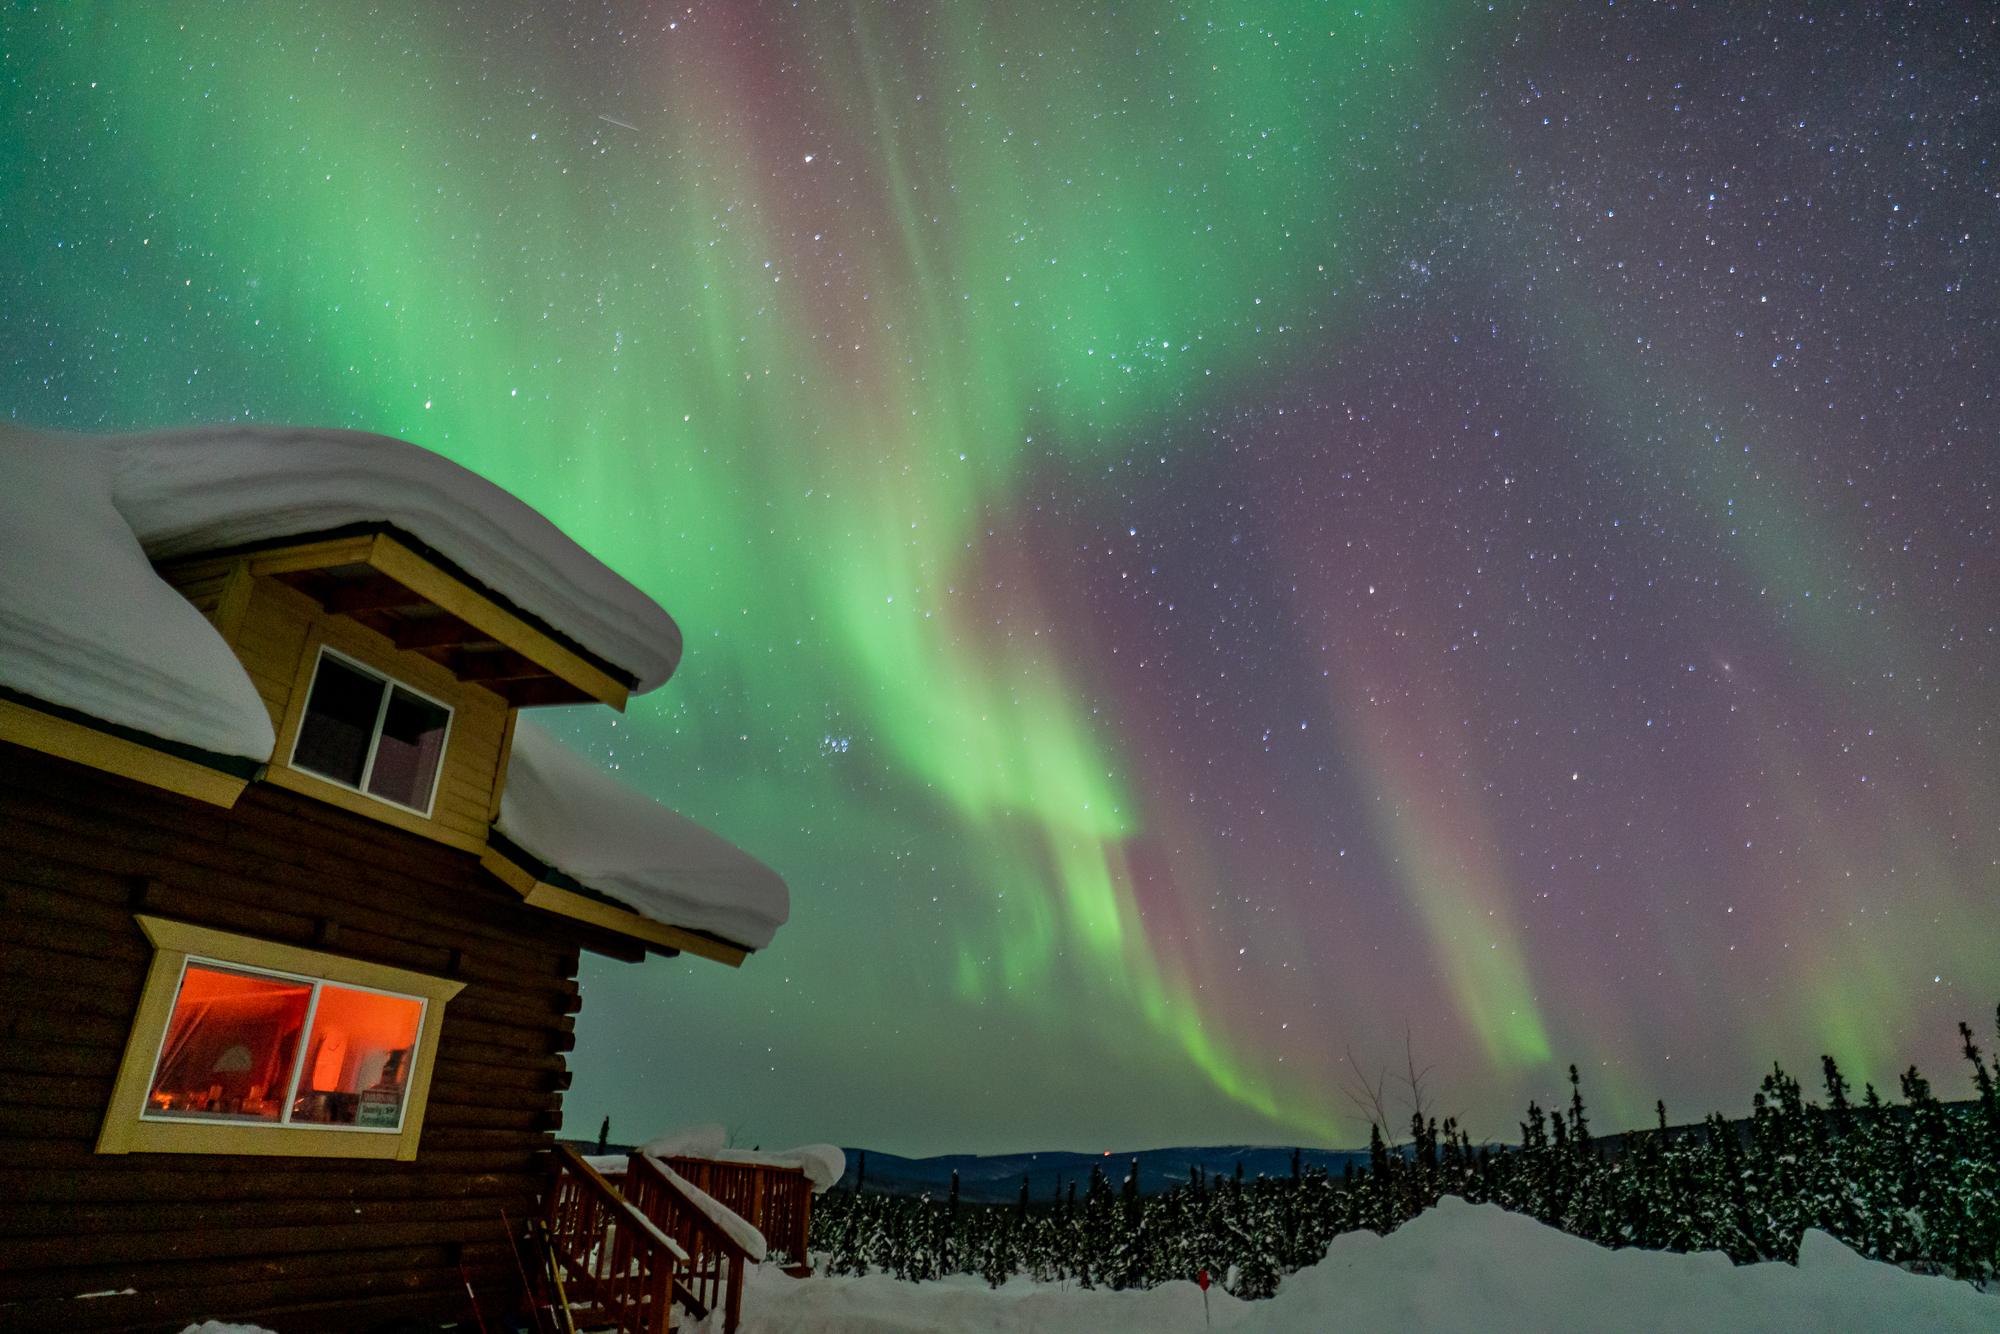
(294, 898)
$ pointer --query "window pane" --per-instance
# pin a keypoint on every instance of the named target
(358, 1059)
(229, 1047)
(339, 722)
(406, 758)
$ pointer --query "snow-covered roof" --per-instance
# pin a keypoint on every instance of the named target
(86, 624)
(208, 488)
(566, 811)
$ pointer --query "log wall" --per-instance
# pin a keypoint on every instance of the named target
(294, 1243)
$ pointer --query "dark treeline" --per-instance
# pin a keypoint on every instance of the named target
(1914, 1183)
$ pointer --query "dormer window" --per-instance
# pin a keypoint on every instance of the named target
(371, 734)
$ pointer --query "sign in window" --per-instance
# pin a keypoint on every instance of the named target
(366, 732)
(233, 1051)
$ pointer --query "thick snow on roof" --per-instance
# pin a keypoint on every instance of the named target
(1457, 1269)
(824, 1164)
(623, 844)
(211, 487)
(86, 624)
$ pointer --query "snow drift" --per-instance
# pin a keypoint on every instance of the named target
(1456, 1269)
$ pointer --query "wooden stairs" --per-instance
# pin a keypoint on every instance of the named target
(640, 1258)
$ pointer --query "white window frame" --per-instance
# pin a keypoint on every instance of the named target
(375, 736)
(298, 1055)
(128, 1129)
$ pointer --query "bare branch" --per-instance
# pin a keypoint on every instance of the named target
(1371, 1101)
(1420, 1103)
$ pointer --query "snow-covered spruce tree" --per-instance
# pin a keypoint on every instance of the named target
(900, 1238)
(1095, 1229)
(1175, 1248)
(1937, 1151)
(1041, 1258)
(1834, 1179)
(1260, 1264)
(950, 1255)
(1125, 1264)
(1889, 1231)
(872, 1249)
(1777, 1168)
(996, 1249)
(843, 1229)
(1976, 1182)
(1314, 1215)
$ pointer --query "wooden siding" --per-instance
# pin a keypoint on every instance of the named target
(295, 1243)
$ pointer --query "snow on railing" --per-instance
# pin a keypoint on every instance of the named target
(719, 1244)
(616, 1265)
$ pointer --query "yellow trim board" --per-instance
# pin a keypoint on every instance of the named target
(113, 754)
(413, 572)
(418, 575)
(125, 1132)
(360, 803)
(315, 555)
(566, 903)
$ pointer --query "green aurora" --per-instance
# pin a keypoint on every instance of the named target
(913, 358)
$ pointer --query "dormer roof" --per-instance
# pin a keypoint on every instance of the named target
(214, 489)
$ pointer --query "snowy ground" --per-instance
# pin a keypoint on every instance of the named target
(1458, 1267)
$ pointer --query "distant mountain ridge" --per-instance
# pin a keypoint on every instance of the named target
(996, 1178)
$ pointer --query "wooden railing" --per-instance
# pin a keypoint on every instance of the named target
(712, 1276)
(776, 1200)
(615, 1265)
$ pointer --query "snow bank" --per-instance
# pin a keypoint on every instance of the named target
(1457, 1269)
(1465, 1267)
(824, 1164)
(212, 487)
(84, 621)
(623, 844)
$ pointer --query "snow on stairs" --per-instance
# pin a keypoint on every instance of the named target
(628, 1258)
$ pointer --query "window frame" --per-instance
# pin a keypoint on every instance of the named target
(393, 684)
(127, 1129)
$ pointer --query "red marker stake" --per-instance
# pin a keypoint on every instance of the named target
(1202, 1278)
(477, 1318)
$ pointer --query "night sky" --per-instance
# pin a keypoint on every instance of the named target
(1214, 540)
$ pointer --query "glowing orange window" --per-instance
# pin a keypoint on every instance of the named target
(232, 1051)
